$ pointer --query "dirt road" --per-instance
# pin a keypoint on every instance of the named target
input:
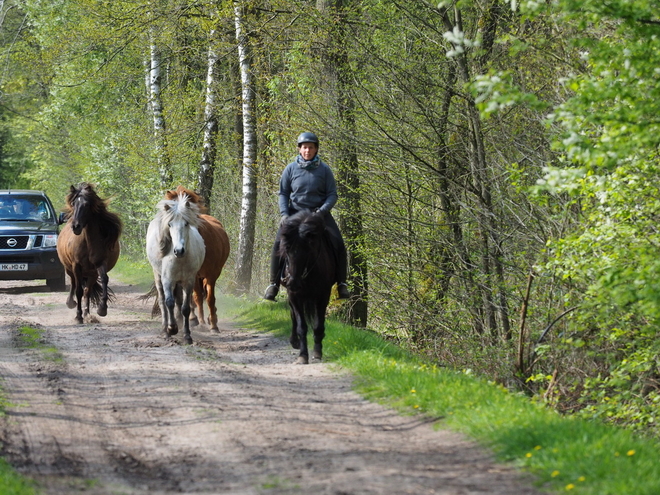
(124, 411)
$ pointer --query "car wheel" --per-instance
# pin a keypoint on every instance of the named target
(57, 284)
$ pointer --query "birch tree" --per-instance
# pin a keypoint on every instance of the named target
(209, 146)
(249, 191)
(156, 105)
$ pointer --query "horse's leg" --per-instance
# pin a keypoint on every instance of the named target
(301, 326)
(158, 282)
(70, 301)
(213, 312)
(178, 298)
(294, 340)
(185, 309)
(102, 310)
(89, 287)
(319, 329)
(80, 287)
(171, 327)
(198, 297)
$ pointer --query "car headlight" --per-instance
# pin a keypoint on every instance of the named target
(50, 240)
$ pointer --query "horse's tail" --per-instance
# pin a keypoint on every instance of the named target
(96, 292)
(155, 309)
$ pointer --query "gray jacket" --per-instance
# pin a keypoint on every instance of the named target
(302, 189)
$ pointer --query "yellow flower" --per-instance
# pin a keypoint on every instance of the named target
(416, 406)
(538, 447)
(555, 473)
(631, 452)
(581, 478)
(413, 391)
(528, 455)
(570, 486)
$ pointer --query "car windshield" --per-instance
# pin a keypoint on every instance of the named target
(24, 208)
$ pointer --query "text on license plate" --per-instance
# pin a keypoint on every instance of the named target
(13, 267)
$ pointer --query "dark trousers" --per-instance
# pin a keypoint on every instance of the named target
(277, 263)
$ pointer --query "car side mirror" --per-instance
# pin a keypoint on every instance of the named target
(62, 219)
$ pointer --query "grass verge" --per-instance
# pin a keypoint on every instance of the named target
(564, 453)
(12, 483)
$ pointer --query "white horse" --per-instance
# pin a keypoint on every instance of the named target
(176, 252)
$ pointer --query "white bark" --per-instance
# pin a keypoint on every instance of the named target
(156, 103)
(249, 200)
(207, 163)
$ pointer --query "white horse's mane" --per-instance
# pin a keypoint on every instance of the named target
(182, 206)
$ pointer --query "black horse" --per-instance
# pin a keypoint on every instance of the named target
(308, 276)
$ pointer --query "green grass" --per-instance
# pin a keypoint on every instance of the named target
(12, 483)
(33, 338)
(133, 272)
(565, 454)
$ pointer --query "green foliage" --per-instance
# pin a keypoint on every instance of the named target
(608, 138)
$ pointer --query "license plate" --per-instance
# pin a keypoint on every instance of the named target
(13, 267)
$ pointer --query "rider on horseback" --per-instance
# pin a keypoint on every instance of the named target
(308, 184)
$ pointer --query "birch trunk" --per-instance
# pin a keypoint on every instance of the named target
(209, 147)
(249, 196)
(156, 104)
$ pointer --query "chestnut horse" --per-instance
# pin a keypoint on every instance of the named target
(88, 247)
(309, 275)
(217, 251)
(176, 251)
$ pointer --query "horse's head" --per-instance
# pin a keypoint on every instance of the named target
(178, 216)
(82, 202)
(301, 243)
(193, 197)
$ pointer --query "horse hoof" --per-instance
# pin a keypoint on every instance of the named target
(318, 356)
(193, 322)
(187, 340)
(215, 330)
(302, 360)
(70, 304)
(80, 320)
(295, 344)
(172, 330)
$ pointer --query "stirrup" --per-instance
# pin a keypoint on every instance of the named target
(271, 292)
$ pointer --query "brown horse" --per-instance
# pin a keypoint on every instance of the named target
(309, 275)
(88, 247)
(217, 251)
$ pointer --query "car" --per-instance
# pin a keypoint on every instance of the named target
(29, 227)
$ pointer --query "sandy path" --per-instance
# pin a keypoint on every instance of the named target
(127, 412)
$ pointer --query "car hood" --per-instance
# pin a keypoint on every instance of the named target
(30, 227)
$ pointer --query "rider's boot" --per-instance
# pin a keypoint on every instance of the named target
(271, 292)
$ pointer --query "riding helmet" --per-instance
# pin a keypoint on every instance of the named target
(308, 137)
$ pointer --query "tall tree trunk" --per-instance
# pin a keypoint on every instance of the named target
(207, 163)
(156, 104)
(491, 249)
(350, 219)
(249, 197)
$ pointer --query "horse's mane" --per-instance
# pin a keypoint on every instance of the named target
(182, 206)
(298, 229)
(112, 225)
(168, 209)
(192, 195)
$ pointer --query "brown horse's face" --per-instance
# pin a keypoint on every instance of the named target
(82, 212)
